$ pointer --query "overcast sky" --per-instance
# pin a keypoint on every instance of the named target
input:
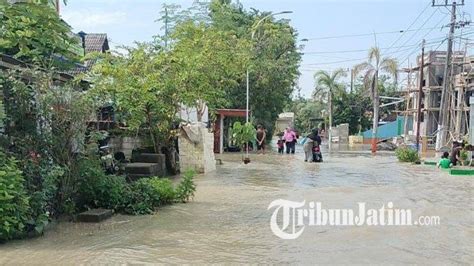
(326, 23)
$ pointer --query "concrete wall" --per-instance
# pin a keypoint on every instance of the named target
(284, 120)
(340, 133)
(282, 123)
(189, 114)
(125, 145)
(197, 156)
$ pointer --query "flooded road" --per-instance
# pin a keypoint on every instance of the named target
(228, 220)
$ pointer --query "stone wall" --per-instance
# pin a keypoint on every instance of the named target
(198, 156)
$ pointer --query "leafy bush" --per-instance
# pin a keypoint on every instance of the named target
(164, 187)
(186, 188)
(104, 191)
(405, 154)
(98, 190)
(243, 134)
(463, 154)
(146, 194)
(14, 204)
(142, 197)
(42, 185)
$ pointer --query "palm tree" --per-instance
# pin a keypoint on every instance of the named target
(328, 83)
(374, 65)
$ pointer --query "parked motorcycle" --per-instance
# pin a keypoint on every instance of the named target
(108, 161)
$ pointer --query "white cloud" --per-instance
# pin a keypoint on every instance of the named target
(87, 19)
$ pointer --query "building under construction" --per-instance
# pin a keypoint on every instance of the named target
(458, 93)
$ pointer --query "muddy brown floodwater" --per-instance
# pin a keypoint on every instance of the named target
(228, 220)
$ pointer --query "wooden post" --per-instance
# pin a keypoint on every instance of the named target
(221, 134)
(420, 93)
(407, 107)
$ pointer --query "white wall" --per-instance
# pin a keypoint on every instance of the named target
(189, 114)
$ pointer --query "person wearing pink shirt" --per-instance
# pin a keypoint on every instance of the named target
(289, 137)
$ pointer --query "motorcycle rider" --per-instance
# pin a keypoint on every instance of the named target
(314, 142)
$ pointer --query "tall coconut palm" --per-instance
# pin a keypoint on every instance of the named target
(374, 65)
(328, 83)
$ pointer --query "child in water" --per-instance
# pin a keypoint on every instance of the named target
(280, 145)
(445, 162)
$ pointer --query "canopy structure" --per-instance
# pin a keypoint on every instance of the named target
(219, 126)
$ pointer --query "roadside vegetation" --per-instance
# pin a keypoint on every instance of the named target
(407, 155)
(49, 164)
(348, 106)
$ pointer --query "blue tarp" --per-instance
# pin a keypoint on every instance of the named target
(389, 130)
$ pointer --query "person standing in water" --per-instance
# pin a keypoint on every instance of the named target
(308, 149)
(261, 136)
(312, 140)
(289, 137)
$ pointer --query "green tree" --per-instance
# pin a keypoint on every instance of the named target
(306, 111)
(139, 87)
(170, 16)
(329, 84)
(273, 65)
(45, 125)
(45, 118)
(372, 68)
(205, 62)
(354, 109)
(34, 33)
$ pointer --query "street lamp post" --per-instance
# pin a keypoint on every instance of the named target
(248, 75)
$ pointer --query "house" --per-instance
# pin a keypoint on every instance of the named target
(432, 82)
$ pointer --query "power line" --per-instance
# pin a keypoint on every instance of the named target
(334, 62)
(434, 40)
(423, 38)
(434, 43)
(365, 34)
(414, 34)
(343, 51)
(437, 24)
(409, 27)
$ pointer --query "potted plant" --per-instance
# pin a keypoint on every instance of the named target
(243, 134)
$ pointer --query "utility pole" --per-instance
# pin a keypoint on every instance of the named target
(166, 28)
(420, 93)
(407, 107)
(443, 119)
(352, 80)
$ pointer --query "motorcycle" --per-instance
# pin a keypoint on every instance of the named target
(109, 163)
(317, 155)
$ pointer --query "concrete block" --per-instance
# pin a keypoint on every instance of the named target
(94, 215)
(356, 140)
(149, 158)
